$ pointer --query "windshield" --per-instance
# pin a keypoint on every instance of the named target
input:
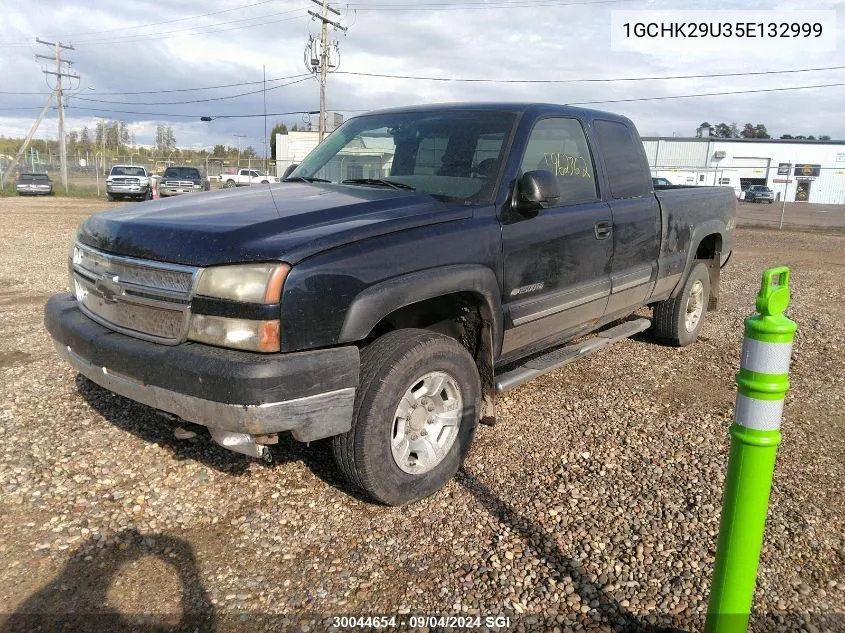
(189, 173)
(128, 171)
(35, 177)
(449, 154)
(759, 188)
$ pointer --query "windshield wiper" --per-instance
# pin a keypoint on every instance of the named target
(304, 179)
(377, 182)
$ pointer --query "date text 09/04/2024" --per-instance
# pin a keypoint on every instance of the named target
(416, 621)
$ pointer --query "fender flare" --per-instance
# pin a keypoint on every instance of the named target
(698, 234)
(376, 302)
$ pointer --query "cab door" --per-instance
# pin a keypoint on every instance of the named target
(557, 261)
(636, 216)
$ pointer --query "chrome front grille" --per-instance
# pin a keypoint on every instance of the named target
(126, 181)
(146, 299)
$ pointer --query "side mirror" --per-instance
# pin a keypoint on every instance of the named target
(537, 189)
(289, 170)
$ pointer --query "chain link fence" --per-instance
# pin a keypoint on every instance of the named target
(86, 173)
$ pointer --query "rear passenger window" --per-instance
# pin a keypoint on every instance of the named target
(627, 170)
(558, 145)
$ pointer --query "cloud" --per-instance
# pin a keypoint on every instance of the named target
(117, 52)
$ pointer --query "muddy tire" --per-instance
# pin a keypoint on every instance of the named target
(416, 411)
(678, 320)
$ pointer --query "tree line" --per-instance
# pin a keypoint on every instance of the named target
(749, 130)
(116, 138)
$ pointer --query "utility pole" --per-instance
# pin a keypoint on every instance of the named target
(324, 59)
(103, 143)
(239, 136)
(264, 70)
(27, 140)
(60, 75)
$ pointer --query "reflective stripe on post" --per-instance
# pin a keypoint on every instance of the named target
(762, 384)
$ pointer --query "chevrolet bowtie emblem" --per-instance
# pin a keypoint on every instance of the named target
(109, 288)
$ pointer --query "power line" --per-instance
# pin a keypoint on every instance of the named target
(471, 6)
(707, 94)
(446, 79)
(584, 80)
(171, 21)
(236, 116)
(161, 34)
(197, 30)
(298, 78)
(151, 92)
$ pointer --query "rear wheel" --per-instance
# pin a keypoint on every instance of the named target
(678, 320)
(230, 184)
(415, 416)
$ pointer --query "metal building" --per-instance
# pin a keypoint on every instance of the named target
(799, 170)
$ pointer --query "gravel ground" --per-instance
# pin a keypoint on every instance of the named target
(593, 504)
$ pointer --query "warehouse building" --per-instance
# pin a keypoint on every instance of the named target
(797, 170)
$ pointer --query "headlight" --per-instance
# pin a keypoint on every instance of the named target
(248, 283)
(254, 283)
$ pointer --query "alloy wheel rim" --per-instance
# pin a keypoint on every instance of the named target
(695, 305)
(426, 423)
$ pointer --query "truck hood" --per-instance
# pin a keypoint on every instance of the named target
(286, 221)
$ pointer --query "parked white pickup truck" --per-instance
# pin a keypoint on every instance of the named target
(128, 181)
(246, 177)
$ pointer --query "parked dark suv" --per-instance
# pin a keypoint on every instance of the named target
(759, 193)
(182, 179)
(34, 184)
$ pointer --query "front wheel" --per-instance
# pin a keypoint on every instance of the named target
(415, 416)
(678, 320)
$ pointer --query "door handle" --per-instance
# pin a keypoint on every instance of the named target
(603, 230)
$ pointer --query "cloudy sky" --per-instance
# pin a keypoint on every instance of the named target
(159, 49)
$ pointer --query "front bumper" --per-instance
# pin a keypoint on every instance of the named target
(177, 191)
(127, 190)
(310, 393)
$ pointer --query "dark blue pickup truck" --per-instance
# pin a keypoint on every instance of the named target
(418, 262)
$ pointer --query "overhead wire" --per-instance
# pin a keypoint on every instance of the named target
(149, 92)
(633, 99)
(168, 22)
(584, 80)
(471, 6)
(297, 78)
(197, 30)
(708, 94)
(460, 80)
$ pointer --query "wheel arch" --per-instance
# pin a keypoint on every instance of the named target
(706, 244)
(462, 301)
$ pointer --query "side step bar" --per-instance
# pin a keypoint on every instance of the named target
(563, 355)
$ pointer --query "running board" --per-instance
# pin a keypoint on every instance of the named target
(564, 355)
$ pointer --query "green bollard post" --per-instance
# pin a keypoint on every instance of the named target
(762, 383)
